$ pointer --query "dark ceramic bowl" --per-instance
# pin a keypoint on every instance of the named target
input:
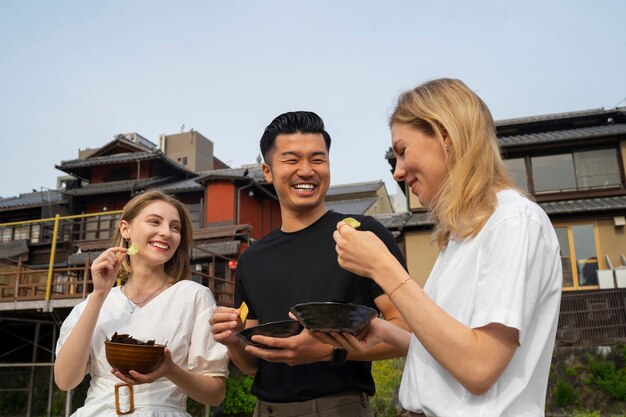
(285, 328)
(140, 358)
(331, 316)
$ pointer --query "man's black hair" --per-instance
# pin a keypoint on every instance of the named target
(288, 123)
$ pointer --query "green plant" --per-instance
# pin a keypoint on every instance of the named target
(387, 375)
(585, 413)
(238, 400)
(563, 393)
(611, 380)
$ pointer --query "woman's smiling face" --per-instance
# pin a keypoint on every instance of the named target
(156, 230)
(421, 161)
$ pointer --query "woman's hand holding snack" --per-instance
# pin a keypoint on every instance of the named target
(360, 252)
(105, 267)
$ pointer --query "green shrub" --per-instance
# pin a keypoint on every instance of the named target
(585, 413)
(387, 375)
(238, 400)
(563, 393)
(610, 380)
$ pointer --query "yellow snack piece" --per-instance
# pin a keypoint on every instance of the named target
(243, 312)
(352, 222)
(133, 250)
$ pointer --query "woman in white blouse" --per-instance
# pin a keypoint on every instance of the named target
(484, 325)
(156, 302)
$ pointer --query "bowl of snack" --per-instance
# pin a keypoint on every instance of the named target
(284, 328)
(126, 353)
(333, 316)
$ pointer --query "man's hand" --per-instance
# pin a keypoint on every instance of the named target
(365, 339)
(225, 323)
(295, 350)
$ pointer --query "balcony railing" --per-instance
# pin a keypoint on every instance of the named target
(26, 284)
(592, 318)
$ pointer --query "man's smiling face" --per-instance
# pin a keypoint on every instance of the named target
(299, 170)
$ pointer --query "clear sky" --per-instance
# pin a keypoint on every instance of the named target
(73, 74)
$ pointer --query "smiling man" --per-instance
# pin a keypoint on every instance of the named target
(300, 376)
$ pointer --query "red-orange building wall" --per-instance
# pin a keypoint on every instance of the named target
(220, 202)
(262, 214)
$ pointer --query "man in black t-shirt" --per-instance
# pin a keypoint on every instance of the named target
(295, 264)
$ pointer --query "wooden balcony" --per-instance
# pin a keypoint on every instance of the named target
(30, 289)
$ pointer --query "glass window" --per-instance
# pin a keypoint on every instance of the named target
(6, 234)
(34, 233)
(566, 259)
(586, 254)
(579, 255)
(576, 171)
(596, 169)
(517, 168)
(21, 232)
(553, 173)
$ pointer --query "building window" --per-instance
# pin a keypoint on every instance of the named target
(517, 168)
(576, 171)
(579, 255)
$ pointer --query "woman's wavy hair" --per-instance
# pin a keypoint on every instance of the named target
(178, 266)
(448, 108)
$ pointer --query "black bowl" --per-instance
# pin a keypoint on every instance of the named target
(285, 328)
(332, 316)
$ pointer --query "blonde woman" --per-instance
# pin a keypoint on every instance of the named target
(156, 302)
(483, 327)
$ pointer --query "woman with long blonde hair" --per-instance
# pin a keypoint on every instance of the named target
(484, 325)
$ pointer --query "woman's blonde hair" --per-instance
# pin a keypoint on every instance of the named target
(178, 266)
(448, 108)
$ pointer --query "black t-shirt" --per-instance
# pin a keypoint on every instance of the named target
(285, 269)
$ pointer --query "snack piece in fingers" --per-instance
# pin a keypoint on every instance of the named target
(243, 311)
(133, 250)
(352, 222)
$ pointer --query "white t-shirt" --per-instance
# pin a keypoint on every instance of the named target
(179, 316)
(510, 273)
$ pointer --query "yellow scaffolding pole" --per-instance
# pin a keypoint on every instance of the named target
(52, 253)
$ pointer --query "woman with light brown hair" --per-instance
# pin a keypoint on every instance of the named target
(156, 302)
(483, 327)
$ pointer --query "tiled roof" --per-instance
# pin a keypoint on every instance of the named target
(252, 172)
(213, 232)
(182, 186)
(589, 205)
(585, 205)
(35, 199)
(563, 135)
(68, 166)
(117, 186)
(108, 159)
(203, 250)
(554, 116)
(359, 187)
(13, 249)
(393, 221)
(352, 206)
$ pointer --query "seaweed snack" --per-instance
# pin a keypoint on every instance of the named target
(128, 340)
(352, 222)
